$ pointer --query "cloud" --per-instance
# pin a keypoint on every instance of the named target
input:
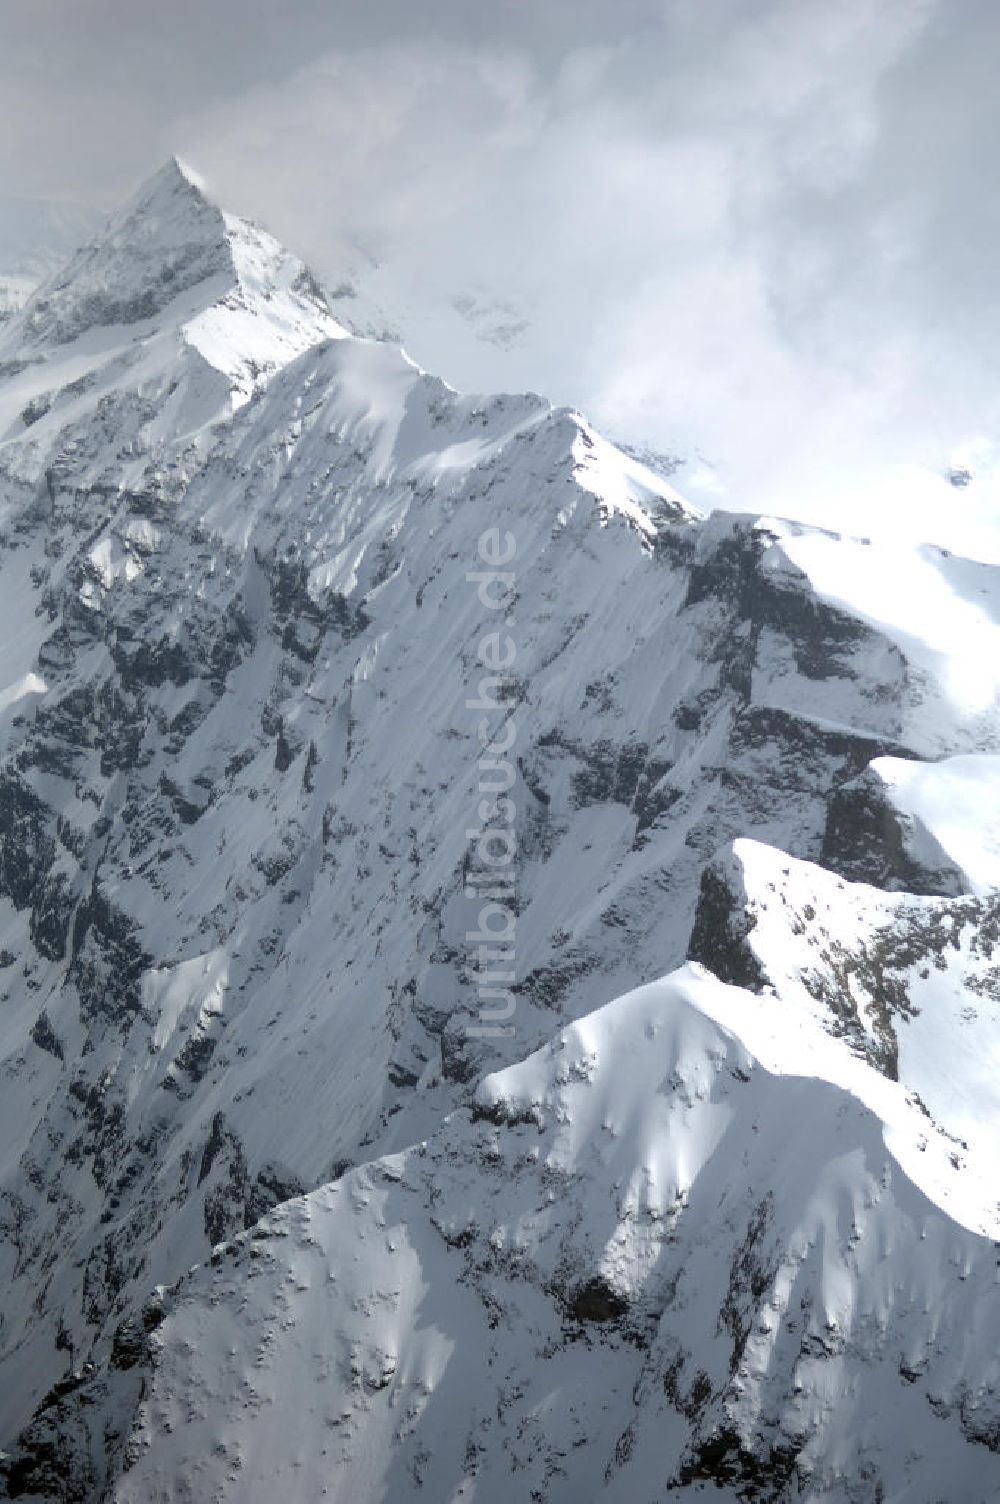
(754, 231)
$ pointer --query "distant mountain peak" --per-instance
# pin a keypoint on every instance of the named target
(169, 273)
(167, 239)
(173, 173)
(184, 169)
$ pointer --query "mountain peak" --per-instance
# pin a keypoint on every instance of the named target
(167, 239)
(172, 185)
(184, 170)
(169, 273)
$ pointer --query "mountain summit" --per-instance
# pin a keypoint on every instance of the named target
(166, 241)
(176, 300)
(295, 1193)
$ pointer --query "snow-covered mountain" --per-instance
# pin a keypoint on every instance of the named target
(705, 1198)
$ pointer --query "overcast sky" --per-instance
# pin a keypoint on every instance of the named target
(763, 232)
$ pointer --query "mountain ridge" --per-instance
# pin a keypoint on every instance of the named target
(239, 778)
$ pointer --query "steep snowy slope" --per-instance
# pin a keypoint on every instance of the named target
(617, 1276)
(243, 773)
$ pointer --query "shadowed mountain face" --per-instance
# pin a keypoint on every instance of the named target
(294, 638)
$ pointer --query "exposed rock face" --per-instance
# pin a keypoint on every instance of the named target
(866, 840)
(242, 763)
